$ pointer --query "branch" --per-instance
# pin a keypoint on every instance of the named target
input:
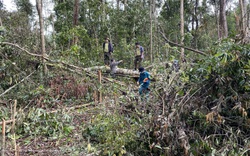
(182, 46)
(15, 45)
(76, 68)
(17, 83)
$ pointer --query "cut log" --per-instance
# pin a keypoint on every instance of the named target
(124, 71)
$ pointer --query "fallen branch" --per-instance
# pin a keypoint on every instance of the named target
(78, 71)
(87, 70)
(182, 46)
(15, 45)
(118, 71)
(7, 121)
(6, 91)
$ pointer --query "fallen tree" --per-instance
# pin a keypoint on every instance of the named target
(182, 46)
(118, 71)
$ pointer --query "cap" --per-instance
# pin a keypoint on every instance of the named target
(141, 69)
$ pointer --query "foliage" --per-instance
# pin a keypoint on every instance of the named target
(24, 6)
(227, 69)
(39, 122)
(223, 80)
(112, 133)
(203, 109)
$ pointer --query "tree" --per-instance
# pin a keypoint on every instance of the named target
(152, 3)
(182, 28)
(223, 30)
(39, 5)
(1, 4)
(75, 20)
(244, 20)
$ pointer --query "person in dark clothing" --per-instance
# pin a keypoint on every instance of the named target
(175, 66)
(144, 82)
(113, 67)
(139, 55)
(107, 49)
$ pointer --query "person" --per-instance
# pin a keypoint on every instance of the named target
(175, 65)
(139, 55)
(113, 67)
(144, 82)
(107, 49)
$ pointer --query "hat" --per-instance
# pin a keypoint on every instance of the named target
(107, 38)
(141, 69)
(137, 43)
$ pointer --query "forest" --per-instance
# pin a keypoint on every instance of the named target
(57, 97)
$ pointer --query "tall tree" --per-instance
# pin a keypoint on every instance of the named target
(1, 4)
(151, 28)
(182, 28)
(223, 30)
(118, 4)
(39, 6)
(75, 19)
(244, 19)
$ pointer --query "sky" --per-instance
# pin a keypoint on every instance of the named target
(10, 5)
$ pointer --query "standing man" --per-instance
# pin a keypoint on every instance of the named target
(107, 49)
(143, 81)
(139, 55)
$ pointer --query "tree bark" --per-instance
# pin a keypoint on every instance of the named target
(223, 30)
(39, 5)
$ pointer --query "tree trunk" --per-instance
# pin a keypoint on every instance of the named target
(75, 20)
(196, 23)
(125, 5)
(53, 31)
(118, 71)
(182, 29)
(223, 30)
(40, 14)
(151, 30)
(243, 22)
(118, 5)
(237, 22)
(217, 20)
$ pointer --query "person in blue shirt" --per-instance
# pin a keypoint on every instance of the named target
(144, 82)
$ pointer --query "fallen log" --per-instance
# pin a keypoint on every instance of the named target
(118, 71)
